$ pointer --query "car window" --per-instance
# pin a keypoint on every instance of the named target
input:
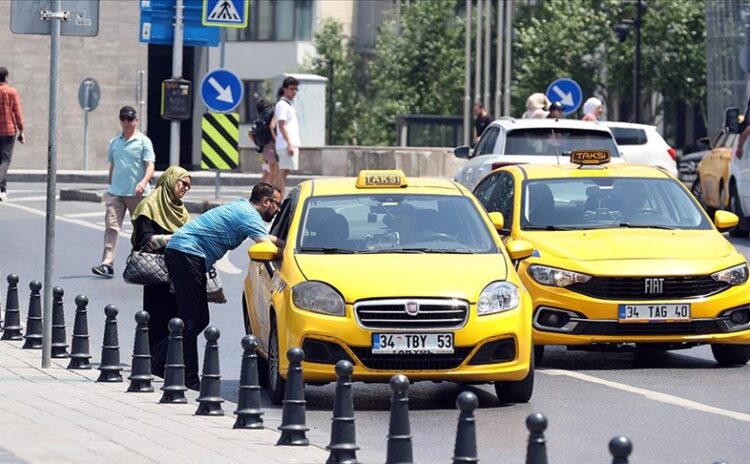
(383, 223)
(283, 220)
(485, 189)
(629, 136)
(497, 195)
(555, 141)
(487, 142)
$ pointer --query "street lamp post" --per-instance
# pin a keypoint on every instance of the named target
(622, 30)
(329, 130)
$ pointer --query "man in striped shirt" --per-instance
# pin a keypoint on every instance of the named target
(11, 126)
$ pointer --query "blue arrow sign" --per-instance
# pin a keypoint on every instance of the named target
(221, 90)
(226, 13)
(567, 92)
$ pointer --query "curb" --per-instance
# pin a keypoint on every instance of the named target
(96, 196)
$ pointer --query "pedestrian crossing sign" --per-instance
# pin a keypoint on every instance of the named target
(226, 13)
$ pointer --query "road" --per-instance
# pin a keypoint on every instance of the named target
(675, 407)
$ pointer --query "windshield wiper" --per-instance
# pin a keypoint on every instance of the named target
(327, 250)
(437, 250)
(549, 227)
(645, 226)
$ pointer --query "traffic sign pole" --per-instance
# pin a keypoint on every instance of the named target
(174, 132)
(87, 94)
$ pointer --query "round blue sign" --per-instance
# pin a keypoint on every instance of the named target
(221, 90)
(567, 92)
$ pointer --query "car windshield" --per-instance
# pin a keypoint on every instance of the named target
(393, 223)
(597, 203)
(555, 141)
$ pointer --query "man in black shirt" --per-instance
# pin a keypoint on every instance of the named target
(482, 119)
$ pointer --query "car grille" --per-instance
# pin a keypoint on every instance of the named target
(411, 361)
(652, 328)
(392, 314)
(634, 288)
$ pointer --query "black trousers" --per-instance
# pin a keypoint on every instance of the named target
(6, 154)
(161, 306)
(188, 275)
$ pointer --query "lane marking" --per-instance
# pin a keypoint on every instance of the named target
(651, 395)
(13, 200)
(61, 218)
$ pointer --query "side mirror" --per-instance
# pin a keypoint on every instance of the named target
(263, 251)
(732, 120)
(463, 152)
(519, 249)
(497, 220)
(725, 221)
(704, 143)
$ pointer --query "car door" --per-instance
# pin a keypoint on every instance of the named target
(496, 193)
(743, 175)
(710, 171)
(474, 167)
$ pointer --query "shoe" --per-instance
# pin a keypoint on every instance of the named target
(103, 270)
(195, 386)
(3, 196)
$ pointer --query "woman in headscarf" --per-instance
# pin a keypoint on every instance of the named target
(593, 109)
(536, 106)
(155, 219)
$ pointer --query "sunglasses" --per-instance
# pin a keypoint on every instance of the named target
(127, 118)
(277, 203)
(185, 185)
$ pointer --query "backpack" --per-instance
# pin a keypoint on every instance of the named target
(261, 128)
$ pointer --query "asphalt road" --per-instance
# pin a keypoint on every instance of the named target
(676, 407)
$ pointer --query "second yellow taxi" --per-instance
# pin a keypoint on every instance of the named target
(623, 255)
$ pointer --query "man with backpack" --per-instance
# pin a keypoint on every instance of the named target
(287, 131)
(262, 132)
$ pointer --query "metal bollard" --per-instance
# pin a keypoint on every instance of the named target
(79, 346)
(465, 449)
(110, 368)
(12, 326)
(210, 391)
(59, 345)
(34, 318)
(536, 450)
(620, 448)
(343, 445)
(249, 414)
(399, 449)
(140, 371)
(174, 373)
(293, 428)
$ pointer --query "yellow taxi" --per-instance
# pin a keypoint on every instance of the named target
(623, 254)
(396, 275)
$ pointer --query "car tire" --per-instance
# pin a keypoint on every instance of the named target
(538, 354)
(519, 391)
(734, 207)
(276, 383)
(731, 355)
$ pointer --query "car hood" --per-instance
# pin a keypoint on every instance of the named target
(359, 276)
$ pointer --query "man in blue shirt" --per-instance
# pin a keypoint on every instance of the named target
(197, 245)
(131, 165)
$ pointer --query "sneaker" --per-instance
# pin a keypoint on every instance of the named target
(3, 196)
(103, 270)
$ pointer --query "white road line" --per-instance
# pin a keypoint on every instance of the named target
(651, 395)
(13, 200)
(60, 218)
(82, 215)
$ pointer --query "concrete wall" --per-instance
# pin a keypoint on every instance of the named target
(112, 58)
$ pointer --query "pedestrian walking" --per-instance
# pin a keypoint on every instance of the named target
(287, 132)
(263, 134)
(131, 164)
(593, 110)
(556, 111)
(155, 219)
(194, 249)
(536, 106)
(11, 127)
(482, 119)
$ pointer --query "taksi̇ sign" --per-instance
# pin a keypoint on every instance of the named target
(221, 90)
(567, 92)
(226, 13)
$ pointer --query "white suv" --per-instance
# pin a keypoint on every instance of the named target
(536, 141)
(642, 144)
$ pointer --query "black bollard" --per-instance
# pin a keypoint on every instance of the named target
(12, 326)
(59, 343)
(343, 444)
(210, 392)
(110, 367)
(79, 346)
(620, 448)
(536, 450)
(140, 371)
(248, 405)
(293, 426)
(465, 449)
(174, 370)
(34, 318)
(399, 450)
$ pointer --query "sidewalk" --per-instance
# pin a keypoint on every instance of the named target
(64, 416)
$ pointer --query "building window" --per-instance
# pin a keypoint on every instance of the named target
(276, 20)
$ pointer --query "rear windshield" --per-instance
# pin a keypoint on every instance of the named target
(554, 141)
(629, 136)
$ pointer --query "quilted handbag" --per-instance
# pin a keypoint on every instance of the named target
(143, 268)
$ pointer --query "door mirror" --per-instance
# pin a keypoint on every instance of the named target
(725, 221)
(703, 143)
(263, 251)
(519, 249)
(463, 152)
(732, 120)
(497, 220)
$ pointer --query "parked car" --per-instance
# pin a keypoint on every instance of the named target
(687, 165)
(643, 144)
(508, 141)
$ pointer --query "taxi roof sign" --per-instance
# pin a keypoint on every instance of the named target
(382, 178)
(590, 157)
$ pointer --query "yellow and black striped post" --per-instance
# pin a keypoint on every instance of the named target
(220, 137)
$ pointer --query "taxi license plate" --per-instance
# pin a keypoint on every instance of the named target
(658, 312)
(400, 343)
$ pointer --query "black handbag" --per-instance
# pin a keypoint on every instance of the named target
(142, 268)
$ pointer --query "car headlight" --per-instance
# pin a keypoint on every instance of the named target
(733, 276)
(498, 297)
(556, 277)
(318, 297)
